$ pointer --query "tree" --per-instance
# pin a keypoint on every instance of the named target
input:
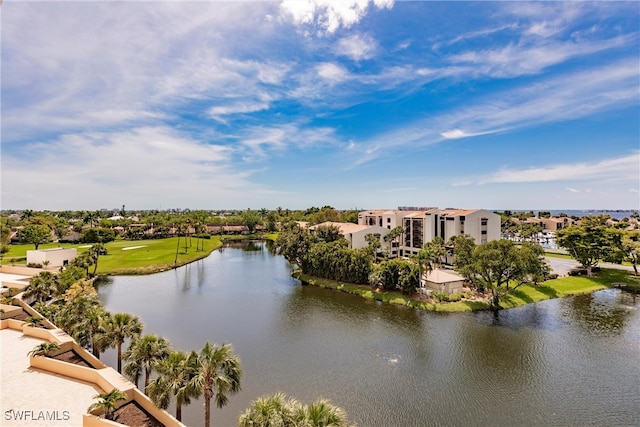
(251, 219)
(121, 327)
(44, 349)
(41, 287)
(394, 234)
(273, 410)
(328, 233)
(108, 402)
(294, 242)
(94, 252)
(280, 410)
(323, 413)
(218, 375)
(5, 236)
(175, 379)
(35, 234)
(373, 244)
(146, 352)
(396, 273)
(501, 267)
(630, 247)
(588, 242)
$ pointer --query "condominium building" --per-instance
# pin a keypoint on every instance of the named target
(422, 225)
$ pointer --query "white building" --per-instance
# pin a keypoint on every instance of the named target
(51, 258)
(355, 233)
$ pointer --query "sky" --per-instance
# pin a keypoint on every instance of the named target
(355, 104)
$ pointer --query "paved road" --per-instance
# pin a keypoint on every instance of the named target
(562, 266)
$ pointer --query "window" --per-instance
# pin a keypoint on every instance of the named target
(484, 221)
(484, 232)
(388, 220)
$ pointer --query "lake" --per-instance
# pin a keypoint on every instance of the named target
(572, 361)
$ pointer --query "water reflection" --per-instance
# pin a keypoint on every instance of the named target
(601, 313)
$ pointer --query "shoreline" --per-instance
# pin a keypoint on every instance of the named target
(526, 294)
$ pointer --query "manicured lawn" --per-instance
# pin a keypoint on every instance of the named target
(132, 256)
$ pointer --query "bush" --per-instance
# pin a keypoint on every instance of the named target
(206, 236)
(34, 265)
(552, 276)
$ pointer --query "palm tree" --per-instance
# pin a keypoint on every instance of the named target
(94, 252)
(97, 322)
(44, 349)
(146, 352)
(274, 410)
(175, 378)
(394, 233)
(279, 410)
(218, 375)
(34, 321)
(323, 413)
(121, 327)
(41, 287)
(108, 402)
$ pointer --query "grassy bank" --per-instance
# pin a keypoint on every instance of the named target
(525, 294)
(132, 256)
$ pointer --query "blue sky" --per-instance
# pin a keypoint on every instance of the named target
(354, 104)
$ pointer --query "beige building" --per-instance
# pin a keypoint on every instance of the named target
(422, 225)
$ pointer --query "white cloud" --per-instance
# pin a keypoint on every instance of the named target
(457, 133)
(328, 15)
(332, 72)
(259, 141)
(357, 47)
(573, 190)
(634, 190)
(625, 168)
(237, 108)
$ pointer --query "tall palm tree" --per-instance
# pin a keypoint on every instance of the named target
(146, 352)
(218, 375)
(108, 402)
(121, 327)
(94, 252)
(175, 378)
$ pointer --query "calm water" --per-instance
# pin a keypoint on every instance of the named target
(572, 361)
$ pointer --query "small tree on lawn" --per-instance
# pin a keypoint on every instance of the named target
(588, 242)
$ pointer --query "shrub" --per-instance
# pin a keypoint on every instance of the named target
(34, 265)
(552, 276)
(577, 272)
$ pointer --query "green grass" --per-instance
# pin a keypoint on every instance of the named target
(525, 294)
(151, 257)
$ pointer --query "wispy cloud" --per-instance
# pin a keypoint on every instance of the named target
(625, 168)
(357, 47)
(566, 97)
(145, 166)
